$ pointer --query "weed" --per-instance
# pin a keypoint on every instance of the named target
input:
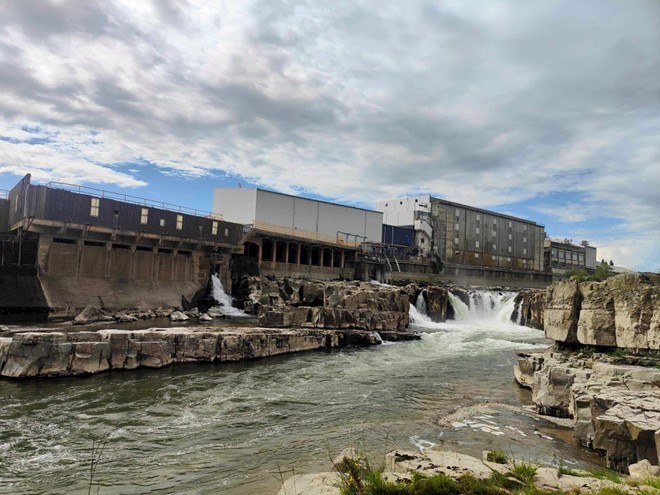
(524, 471)
(498, 456)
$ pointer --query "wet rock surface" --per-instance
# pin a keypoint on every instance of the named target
(48, 354)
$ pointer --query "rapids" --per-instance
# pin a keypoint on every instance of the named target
(240, 428)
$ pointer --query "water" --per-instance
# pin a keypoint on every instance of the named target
(224, 299)
(231, 428)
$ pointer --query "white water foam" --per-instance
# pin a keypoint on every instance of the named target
(224, 299)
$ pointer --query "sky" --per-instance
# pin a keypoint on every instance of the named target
(547, 110)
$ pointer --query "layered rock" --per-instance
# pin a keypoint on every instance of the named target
(530, 308)
(615, 406)
(623, 311)
(289, 303)
(44, 354)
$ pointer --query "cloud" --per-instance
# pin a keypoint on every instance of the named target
(487, 105)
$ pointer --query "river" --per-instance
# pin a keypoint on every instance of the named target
(240, 428)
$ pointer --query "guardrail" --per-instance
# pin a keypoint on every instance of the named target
(305, 234)
(4, 194)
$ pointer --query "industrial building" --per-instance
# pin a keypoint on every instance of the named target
(290, 235)
(473, 245)
(562, 256)
(67, 247)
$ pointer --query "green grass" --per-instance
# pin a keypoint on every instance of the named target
(524, 471)
(498, 456)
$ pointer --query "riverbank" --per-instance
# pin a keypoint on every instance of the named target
(57, 354)
(603, 373)
(442, 472)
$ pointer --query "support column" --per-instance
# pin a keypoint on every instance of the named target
(108, 257)
(332, 258)
(321, 250)
(131, 270)
(80, 245)
(286, 253)
(343, 258)
(154, 264)
(298, 257)
(175, 252)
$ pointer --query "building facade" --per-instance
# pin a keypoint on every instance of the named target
(471, 242)
(294, 236)
(93, 247)
(562, 257)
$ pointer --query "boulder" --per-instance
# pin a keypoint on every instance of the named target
(643, 469)
(215, 312)
(178, 316)
(91, 314)
(205, 317)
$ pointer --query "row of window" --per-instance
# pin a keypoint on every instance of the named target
(567, 257)
(144, 217)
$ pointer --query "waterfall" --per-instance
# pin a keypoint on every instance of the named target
(420, 304)
(461, 310)
(224, 300)
(484, 305)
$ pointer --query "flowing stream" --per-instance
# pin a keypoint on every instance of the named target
(240, 428)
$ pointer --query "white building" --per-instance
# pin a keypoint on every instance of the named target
(301, 217)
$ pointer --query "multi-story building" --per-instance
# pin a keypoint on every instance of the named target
(562, 256)
(472, 242)
(294, 236)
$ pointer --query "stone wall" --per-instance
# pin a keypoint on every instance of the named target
(623, 311)
(47, 354)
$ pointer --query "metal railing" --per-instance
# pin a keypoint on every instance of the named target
(4, 194)
(305, 234)
(127, 198)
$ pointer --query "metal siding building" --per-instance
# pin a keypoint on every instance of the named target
(279, 212)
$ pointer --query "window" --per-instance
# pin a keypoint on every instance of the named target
(421, 241)
(144, 216)
(386, 205)
(494, 222)
(214, 228)
(581, 258)
(400, 202)
(494, 247)
(476, 230)
(162, 222)
(179, 222)
(456, 226)
(476, 255)
(524, 228)
(509, 249)
(494, 233)
(525, 240)
(94, 208)
(226, 232)
(510, 237)
(456, 240)
(476, 244)
(508, 259)
(478, 217)
(554, 253)
(457, 212)
(524, 250)
(510, 224)
(416, 201)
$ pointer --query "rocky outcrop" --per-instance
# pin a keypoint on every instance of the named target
(45, 354)
(403, 466)
(286, 303)
(623, 311)
(615, 405)
(529, 308)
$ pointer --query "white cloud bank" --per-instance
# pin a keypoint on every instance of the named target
(360, 101)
